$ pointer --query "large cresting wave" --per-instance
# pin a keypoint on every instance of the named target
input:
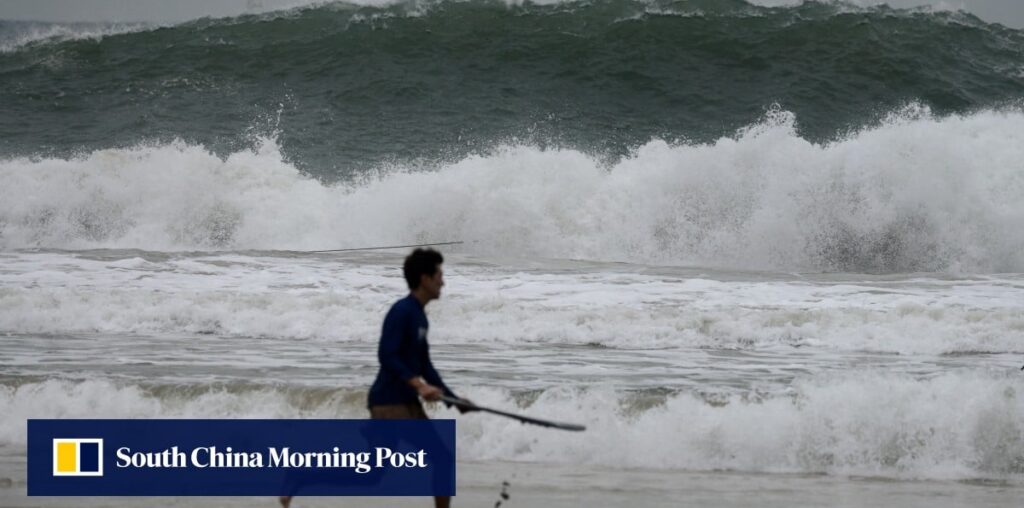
(917, 193)
(355, 85)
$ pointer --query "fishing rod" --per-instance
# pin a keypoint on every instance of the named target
(521, 418)
(386, 247)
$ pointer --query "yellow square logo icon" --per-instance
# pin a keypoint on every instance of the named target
(78, 457)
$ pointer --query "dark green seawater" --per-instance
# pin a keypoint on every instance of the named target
(344, 87)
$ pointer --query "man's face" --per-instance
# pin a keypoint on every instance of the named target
(432, 284)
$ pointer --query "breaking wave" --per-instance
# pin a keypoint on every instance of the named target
(917, 193)
(953, 426)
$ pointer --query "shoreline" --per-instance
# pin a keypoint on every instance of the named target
(557, 486)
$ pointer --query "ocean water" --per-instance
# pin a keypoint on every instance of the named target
(770, 256)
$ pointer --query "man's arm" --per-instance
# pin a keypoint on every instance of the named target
(432, 377)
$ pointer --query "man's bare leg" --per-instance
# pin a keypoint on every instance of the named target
(285, 501)
(442, 501)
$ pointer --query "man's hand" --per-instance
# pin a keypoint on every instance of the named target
(426, 390)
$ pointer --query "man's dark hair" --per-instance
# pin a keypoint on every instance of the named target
(420, 262)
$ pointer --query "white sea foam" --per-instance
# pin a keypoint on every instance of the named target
(100, 398)
(343, 300)
(915, 194)
(23, 34)
(950, 426)
(955, 425)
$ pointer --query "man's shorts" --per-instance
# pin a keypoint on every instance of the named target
(410, 411)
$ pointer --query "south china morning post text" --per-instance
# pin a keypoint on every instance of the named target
(211, 456)
(241, 457)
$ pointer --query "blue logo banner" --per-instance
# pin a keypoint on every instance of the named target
(241, 457)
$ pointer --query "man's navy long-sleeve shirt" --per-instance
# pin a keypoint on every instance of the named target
(404, 354)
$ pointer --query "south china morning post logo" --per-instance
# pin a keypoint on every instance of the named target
(241, 457)
(202, 457)
(77, 457)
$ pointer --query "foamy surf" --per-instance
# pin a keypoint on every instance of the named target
(340, 299)
(917, 193)
(953, 425)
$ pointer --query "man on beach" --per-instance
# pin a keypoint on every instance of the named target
(406, 373)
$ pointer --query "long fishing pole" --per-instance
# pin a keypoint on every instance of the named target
(386, 247)
(524, 419)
